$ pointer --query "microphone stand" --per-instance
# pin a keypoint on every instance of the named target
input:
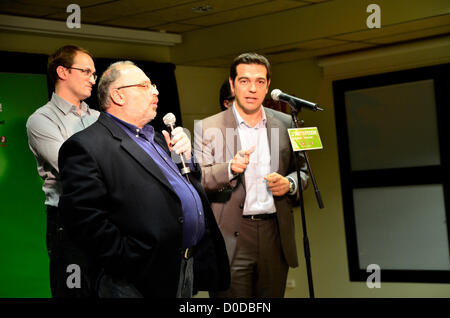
(302, 206)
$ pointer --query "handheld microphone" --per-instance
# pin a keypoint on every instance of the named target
(295, 102)
(169, 120)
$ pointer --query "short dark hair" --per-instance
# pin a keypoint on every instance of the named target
(249, 58)
(63, 57)
(225, 94)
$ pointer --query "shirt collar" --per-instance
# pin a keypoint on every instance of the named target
(147, 132)
(67, 107)
(241, 121)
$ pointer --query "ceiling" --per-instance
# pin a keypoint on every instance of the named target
(176, 16)
(188, 16)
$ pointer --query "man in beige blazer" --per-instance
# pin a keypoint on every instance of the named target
(248, 172)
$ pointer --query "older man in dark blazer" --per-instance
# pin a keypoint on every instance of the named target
(144, 228)
(249, 174)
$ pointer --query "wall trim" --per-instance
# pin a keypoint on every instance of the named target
(408, 55)
(43, 26)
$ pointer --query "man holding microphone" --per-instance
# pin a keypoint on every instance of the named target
(146, 229)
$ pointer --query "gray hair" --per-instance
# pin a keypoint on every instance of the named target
(111, 74)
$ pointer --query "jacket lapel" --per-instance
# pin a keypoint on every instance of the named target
(271, 123)
(273, 126)
(278, 140)
(230, 133)
(134, 150)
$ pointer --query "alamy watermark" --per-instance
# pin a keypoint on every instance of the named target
(374, 19)
(74, 279)
(215, 145)
(73, 20)
(374, 279)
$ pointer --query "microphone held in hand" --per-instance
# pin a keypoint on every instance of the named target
(169, 120)
(295, 102)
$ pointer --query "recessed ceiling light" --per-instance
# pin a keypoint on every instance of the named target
(202, 9)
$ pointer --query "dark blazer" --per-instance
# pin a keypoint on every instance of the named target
(123, 213)
(216, 144)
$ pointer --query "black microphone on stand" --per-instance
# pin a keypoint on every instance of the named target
(296, 105)
(169, 120)
(294, 101)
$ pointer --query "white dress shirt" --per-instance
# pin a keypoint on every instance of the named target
(258, 199)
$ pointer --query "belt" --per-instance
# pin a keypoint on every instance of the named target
(260, 217)
(188, 252)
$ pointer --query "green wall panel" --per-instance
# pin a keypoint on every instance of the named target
(23, 254)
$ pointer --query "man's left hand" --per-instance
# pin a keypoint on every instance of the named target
(179, 142)
(278, 184)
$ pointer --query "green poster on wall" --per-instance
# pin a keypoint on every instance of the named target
(23, 254)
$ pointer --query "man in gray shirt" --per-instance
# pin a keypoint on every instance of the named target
(71, 69)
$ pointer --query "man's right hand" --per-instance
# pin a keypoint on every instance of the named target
(241, 160)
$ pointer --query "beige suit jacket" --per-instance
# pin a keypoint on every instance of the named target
(216, 141)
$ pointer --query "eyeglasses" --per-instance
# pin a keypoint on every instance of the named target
(87, 72)
(144, 84)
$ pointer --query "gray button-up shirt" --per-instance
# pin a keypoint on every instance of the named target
(47, 128)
